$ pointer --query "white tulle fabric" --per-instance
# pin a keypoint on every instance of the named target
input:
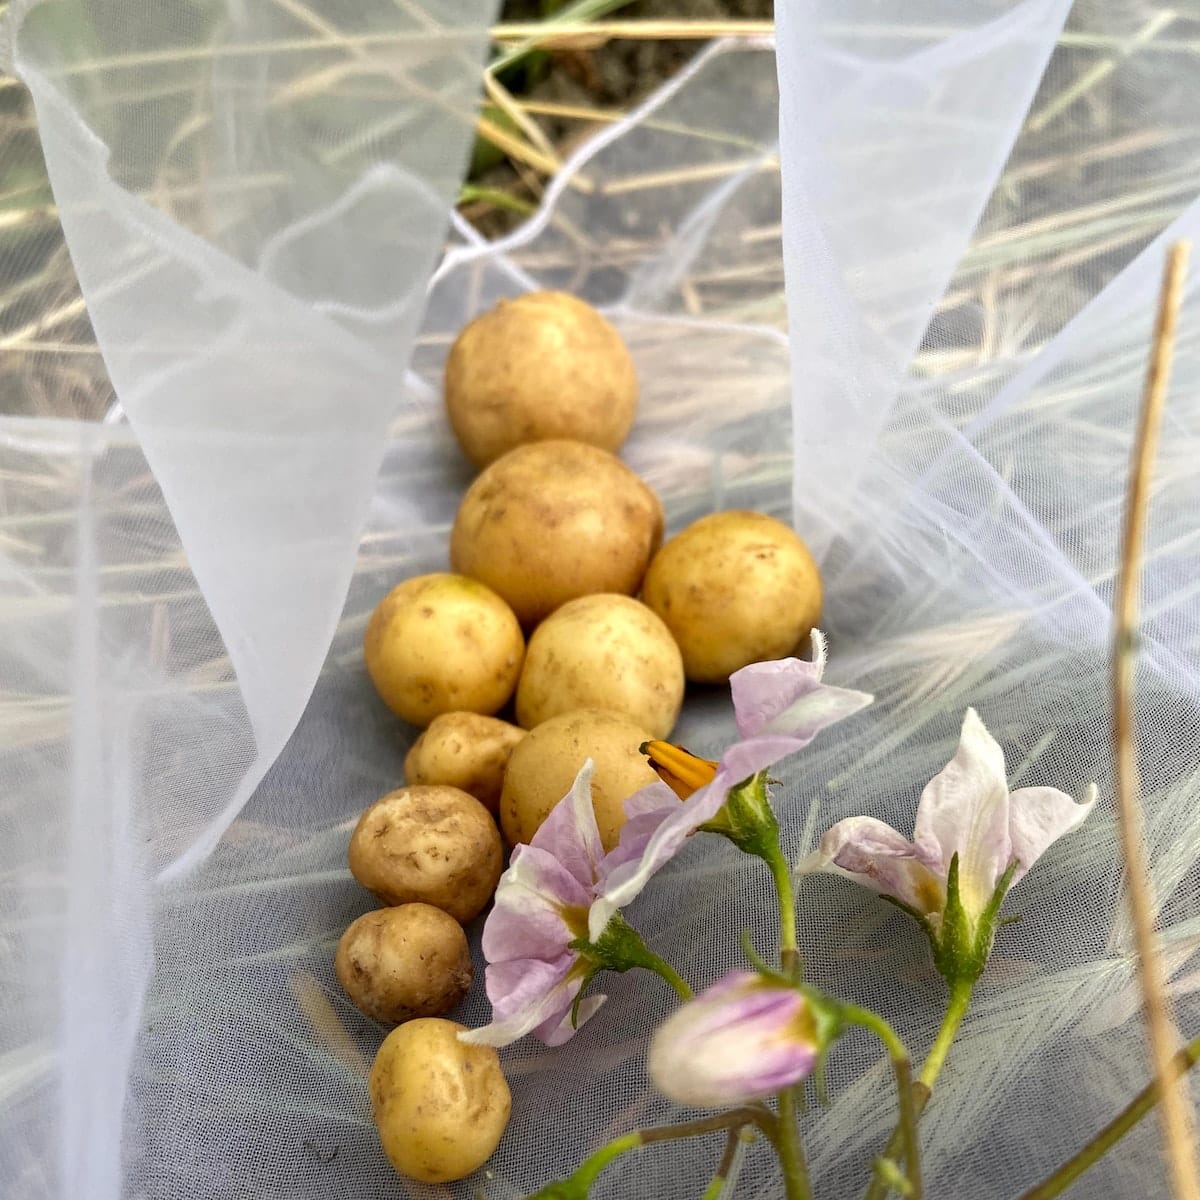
(968, 201)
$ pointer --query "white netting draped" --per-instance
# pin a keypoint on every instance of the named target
(973, 204)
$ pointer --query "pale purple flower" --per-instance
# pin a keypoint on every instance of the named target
(743, 1039)
(966, 810)
(542, 904)
(779, 707)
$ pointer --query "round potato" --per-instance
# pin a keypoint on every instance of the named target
(544, 365)
(544, 765)
(554, 520)
(604, 651)
(441, 1107)
(436, 845)
(404, 962)
(443, 643)
(734, 588)
(466, 751)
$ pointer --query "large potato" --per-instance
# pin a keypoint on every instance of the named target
(554, 520)
(436, 845)
(734, 588)
(544, 765)
(441, 643)
(602, 651)
(466, 751)
(544, 365)
(404, 962)
(440, 1106)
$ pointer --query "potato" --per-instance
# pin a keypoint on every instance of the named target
(544, 765)
(443, 643)
(602, 651)
(466, 751)
(554, 520)
(404, 962)
(734, 588)
(544, 365)
(440, 1106)
(432, 844)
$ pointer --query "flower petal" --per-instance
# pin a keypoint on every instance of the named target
(875, 855)
(622, 883)
(527, 919)
(645, 811)
(526, 994)
(964, 811)
(1038, 817)
(740, 1041)
(554, 1033)
(570, 834)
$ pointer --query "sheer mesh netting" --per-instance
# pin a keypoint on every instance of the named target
(194, 528)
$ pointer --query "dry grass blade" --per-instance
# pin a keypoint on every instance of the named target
(1176, 1120)
(596, 33)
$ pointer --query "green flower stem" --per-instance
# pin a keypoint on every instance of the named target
(662, 968)
(790, 1149)
(789, 951)
(902, 1068)
(956, 1009)
(588, 1171)
(960, 997)
(720, 1179)
(1114, 1131)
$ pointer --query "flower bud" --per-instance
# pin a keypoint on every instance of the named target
(745, 1038)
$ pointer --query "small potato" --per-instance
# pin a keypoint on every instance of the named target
(544, 765)
(442, 643)
(440, 1107)
(734, 588)
(554, 520)
(544, 365)
(404, 962)
(602, 651)
(436, 845)
(466, 751)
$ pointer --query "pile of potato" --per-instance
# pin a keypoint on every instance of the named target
(566, 613)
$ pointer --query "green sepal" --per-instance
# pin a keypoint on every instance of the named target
(579, 995)
(619, 948)
(960, 950)
(747, 819)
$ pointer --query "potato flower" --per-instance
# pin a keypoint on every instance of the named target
(555, 923)
(973, 839)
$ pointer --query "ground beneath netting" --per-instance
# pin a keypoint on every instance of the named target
(613, 76)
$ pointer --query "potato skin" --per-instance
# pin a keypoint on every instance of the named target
(554, 520)
(442, 643)
(604, 651)
(543, 768)
(404, 962)
(466, 751)
(440, 1107)
(545, 365)
(734, 588)
(431, 844)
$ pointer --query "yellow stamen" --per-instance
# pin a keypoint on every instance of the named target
(681, 770)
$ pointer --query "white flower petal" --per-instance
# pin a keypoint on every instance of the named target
(964, 811)
(875, 855)
(1038, 817)
(525, 994)
(570, 834)
(555, 1034)
(625, 882)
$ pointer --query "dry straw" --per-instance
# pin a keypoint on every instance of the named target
(1176, 1119)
